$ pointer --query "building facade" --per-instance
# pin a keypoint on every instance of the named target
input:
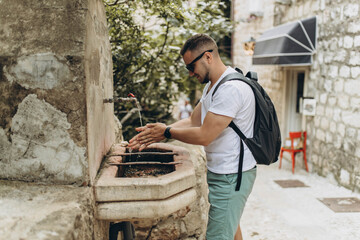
(331, 80)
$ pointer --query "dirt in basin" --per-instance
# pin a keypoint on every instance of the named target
(147, 170)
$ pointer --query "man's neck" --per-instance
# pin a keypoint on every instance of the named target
(216, 75)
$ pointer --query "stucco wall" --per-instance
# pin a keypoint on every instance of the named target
(333, 80)
(55, 69)
(99, 85)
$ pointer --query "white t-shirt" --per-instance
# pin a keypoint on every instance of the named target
(233, 99)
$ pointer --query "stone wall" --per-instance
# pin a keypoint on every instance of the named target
(33, 211)
(333, 80)
(55, 69)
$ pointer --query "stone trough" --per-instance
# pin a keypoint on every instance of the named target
(154, 183)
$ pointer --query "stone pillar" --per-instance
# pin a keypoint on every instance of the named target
(55, 71)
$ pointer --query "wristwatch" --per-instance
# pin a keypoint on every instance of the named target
(167, 133)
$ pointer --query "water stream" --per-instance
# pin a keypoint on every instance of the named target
(139, 111)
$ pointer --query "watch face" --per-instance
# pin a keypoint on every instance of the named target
(167, 133)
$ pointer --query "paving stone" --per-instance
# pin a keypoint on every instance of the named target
(342, 204)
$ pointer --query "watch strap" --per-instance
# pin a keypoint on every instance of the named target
(167, 133)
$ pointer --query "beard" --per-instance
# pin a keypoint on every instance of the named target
(206, 79)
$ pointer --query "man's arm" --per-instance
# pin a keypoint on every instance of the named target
(158, 129)
(213, 125)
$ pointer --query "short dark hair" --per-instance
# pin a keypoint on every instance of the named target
(199, 41)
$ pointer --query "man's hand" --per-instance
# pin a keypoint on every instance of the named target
(134, 143)
(151, 133)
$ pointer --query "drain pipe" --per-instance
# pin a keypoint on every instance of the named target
(126, 227)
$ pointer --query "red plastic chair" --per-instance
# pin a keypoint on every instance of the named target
(293, 149)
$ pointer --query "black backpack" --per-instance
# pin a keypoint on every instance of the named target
(266, 141)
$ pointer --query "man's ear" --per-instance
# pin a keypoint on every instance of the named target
(209, 57)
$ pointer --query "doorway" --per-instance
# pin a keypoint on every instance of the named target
(295, 83)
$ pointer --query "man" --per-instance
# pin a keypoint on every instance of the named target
(207, 126)
(185, 110)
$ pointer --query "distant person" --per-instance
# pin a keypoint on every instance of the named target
(185, 110)
(208, 126)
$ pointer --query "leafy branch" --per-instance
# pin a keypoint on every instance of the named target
(146, 37)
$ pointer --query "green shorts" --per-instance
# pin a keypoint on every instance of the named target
(226, 204)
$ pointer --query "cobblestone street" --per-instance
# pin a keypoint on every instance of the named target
(276, 213)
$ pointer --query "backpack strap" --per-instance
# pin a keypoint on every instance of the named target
(241, 156)
(252, 76)
(230, 77)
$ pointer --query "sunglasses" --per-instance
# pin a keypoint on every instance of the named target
(190, 66)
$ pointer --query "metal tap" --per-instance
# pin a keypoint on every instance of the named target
(120, 99)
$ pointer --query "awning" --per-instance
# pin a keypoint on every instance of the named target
(288, 44)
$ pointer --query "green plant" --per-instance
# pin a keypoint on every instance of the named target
(146, 37)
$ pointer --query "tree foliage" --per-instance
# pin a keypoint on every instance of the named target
(146, 37)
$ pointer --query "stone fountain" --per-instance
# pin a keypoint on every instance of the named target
(162, 182)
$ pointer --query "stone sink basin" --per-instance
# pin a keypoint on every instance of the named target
(122, 198)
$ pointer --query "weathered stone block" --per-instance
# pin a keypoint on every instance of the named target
(344, 177)
(32, 30)
(332, 127)
(333, 44)
(352, 87)
(332, 101)
(357, 41)
(355, 102)
(341, 129)
(31, 211)
(339, 85)
(323, 98)
(340, 42)
(329, 112)
(351, 133)
(320, 110)
(320, 134)
(354, 27)
(355, 72)
(354, 58)
(320, 57)
(333, 71)
(351, 118)
(43, 71)
(322, 4)
(328, 57)
(344, 71)
(325, 123)
(328, 85)
(357, 151)
(351, 10)
(348, 42)
(344, 101)
(349, 146)
(337, 114)
(337, 142)
(41, 147)
(340, 55)
(329, 137)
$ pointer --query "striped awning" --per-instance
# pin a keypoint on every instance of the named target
(288, 44)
